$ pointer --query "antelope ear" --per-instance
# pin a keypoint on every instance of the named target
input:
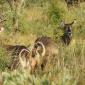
(62, 24)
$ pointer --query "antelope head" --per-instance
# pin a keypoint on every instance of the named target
(27, 61)
(67, 29)
(39, 49)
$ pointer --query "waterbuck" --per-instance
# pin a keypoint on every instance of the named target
(43, 47)
(27, 61)
(20, 56)
(67, 32)
(73, 2)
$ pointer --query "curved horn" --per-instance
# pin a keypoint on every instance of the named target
(22, 51)
(43, 53)
(20, 58)
(74, 21)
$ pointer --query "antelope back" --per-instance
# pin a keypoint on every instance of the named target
(49, 46)
(19, 56)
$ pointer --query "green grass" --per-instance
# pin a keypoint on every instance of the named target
(67, 68)
(39, 18)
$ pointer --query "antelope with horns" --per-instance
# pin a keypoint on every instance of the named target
(67, 32)
(21, 57)
(44, 47)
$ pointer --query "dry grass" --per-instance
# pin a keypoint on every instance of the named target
(18, 38)
(66, 68)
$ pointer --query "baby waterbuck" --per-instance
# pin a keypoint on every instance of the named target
(67, 32)
(44, 47)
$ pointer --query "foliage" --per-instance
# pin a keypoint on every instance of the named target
(43, 17)
(4, 59)
(68, 70)
(54, 14)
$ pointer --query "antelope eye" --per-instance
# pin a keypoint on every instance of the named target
(36, 46)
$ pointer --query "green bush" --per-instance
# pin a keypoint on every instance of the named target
(54, 15)
(4, 59)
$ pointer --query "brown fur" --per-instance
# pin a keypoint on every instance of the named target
(67, 36)
(50, 48)
(14, 51)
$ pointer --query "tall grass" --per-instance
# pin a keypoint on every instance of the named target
(42, 17)
(66, 68)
